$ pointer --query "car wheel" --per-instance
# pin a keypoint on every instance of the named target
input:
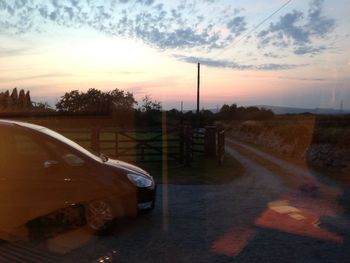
(99, 216)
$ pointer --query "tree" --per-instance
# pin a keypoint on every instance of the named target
(122, 100)
(244, 113)
(21, 99)
(69, 102)
(14, 98)
(2, 100)
(16, 101)
(96, 101)
(28, 100)
(224, 112)
(149, 105)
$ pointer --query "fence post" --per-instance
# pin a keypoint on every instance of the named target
(221, 145)
(182, 143)
(188, 145)
(210, 141)
(95, 140)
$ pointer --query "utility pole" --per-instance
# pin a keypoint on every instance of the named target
(198, 88)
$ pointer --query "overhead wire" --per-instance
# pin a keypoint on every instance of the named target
(256, 27)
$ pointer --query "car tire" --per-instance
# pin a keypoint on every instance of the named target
(99, 217)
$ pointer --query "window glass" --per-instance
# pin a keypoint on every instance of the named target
(70, 143)
(27, 146)
(22, 154)
(66, 154)
(28, 151)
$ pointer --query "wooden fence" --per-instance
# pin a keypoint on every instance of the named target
(183, 144)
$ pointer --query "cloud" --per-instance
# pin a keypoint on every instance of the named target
(299, 30)
(138, 90)
(146, 2)
(305, 79)
(124, 72)
(218, 63)
(9, 52)
(302, 50)
(41, 76)
(180, 38)
(272, 55)
(237, 25)
(319, 25)
(178, 25)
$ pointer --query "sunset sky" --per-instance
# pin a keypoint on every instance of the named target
(277, 52)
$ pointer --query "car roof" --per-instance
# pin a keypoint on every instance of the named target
(22, 124)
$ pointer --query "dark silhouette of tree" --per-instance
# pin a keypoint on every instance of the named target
(174, 114)
(206, 117)
(122, 100)
(96, 101)
(17, 102)
(7, 103)
(149, 105)
(149, 114)
(28, 100)
(2, 100)
(14, 98)
(225, 112)
(21, 99)
(70, 102)
(243, 113)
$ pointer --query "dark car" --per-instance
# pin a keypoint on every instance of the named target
(42, 172)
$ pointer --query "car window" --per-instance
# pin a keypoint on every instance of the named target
(22, 154)
(66, 154)
(25, 145)
(70, 143)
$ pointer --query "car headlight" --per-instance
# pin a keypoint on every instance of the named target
(140, 181)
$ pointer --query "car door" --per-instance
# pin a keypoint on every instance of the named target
(78, 174)
(28, 188)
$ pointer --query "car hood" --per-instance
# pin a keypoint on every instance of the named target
(128, 168)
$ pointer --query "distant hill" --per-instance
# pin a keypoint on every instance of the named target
(291, 110)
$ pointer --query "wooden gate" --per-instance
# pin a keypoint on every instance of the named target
(183, 144)
(130, 145)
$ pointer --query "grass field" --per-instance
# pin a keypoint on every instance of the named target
(201, 171)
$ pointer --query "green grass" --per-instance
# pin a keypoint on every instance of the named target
(202, 171)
